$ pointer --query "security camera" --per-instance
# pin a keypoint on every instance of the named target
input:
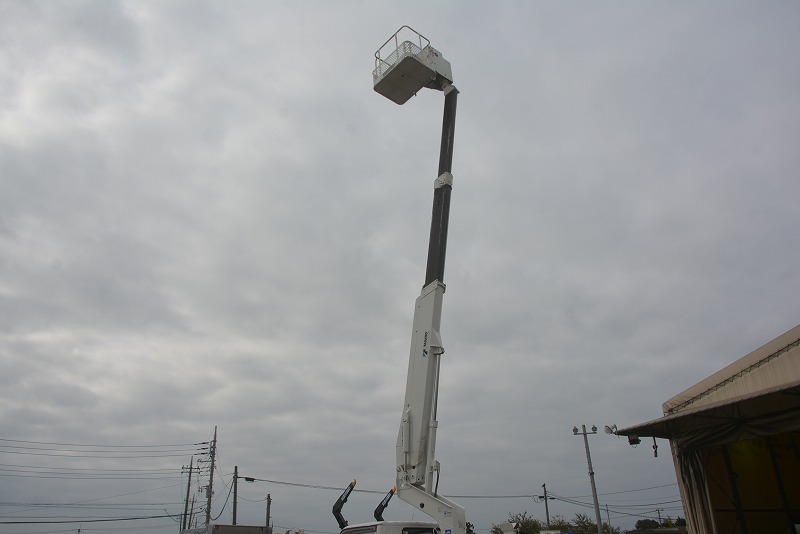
(634, 440)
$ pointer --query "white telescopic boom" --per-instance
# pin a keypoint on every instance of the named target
(409, 66)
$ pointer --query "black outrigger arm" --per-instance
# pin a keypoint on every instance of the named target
(378, 513)
(339, 504)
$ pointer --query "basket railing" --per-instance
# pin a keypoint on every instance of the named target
(401, 50)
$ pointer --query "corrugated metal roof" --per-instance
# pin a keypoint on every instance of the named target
(774, 364)
(742, 410)
(753, 396)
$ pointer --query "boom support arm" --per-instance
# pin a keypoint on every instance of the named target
(416, 440)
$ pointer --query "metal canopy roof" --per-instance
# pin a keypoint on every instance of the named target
(743, 417)
(755, 396)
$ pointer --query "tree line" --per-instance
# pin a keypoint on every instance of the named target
(579, 524)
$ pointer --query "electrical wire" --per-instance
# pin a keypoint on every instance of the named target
(75, 477)
(105, 451)
(102, 498)
(89, 506)
(106, 445)
(314, 486)
(96, 520)
(617, 513)
(230, 490)
(507, 496)
(626, 491)
(170, 470)
(127, 452)
(119, 455)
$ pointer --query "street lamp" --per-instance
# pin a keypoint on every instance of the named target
(584, 433)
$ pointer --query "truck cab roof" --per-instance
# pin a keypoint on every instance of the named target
(392, 527)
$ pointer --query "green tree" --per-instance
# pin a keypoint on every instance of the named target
(559, 522)
(582, 524)
(527, 524)
(646, 523)
(680, 522)
(470, 528)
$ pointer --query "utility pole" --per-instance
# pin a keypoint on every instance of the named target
(591, 473)
(210, 489)
(608, 516)
(658, 510)
(269, 505)
(188, 488)
(546, 508)
(235, 490)
(192, 517)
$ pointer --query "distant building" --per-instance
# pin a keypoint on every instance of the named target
(735, 441)
(237, 529)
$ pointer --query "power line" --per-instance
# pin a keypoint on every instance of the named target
(170, 470)
(511, 496)
(617, 512)
(96, 520)
(67, 476)
(92, 450)
(116, 446)
(43, 531)
(120, 495)
(86, 473)
(648, 505)
(31, 471)
(87, 505)
(119, 455)
(626, 491)
(314, 486)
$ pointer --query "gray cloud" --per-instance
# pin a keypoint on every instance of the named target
(207, 217)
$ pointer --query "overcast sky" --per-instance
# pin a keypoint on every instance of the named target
(209, 218)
